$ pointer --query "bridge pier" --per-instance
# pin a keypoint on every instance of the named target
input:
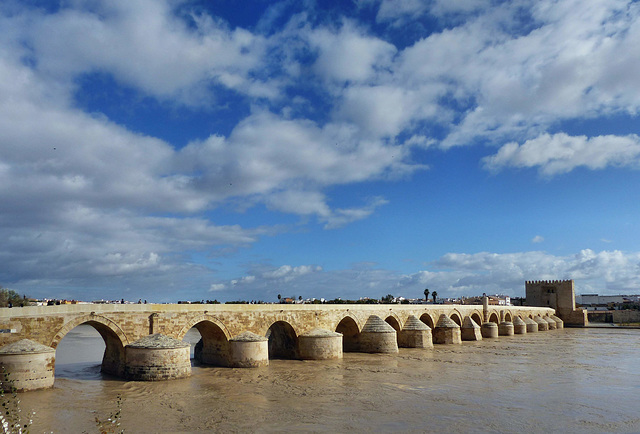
(470, 331)
(248, 350)
(415, 334)
(532, 326)
(489, 330)
(26, 365)
(552, 323)
(505, 328)
(446, 331)
(157, 357)
(519, 326)
(559, 322)
(543, 326)
(319, 344)
(377, 337)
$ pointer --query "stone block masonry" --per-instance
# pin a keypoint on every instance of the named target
(277, 330)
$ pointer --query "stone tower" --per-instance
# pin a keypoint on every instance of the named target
(558, 294)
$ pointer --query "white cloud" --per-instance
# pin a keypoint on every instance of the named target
(144, 44)
(348, 54)
(217, 287)
(561, 153)
(537, 239)
(457, 274)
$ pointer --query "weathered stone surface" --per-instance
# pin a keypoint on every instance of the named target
(446, 331)
(158, 340)
(543, 325)
(559, 322)
(28, 366)
(532, 326)
(122, 324)
(505, 328)
(319, 344)
(552, 324)
(26, 346)
(519, 326)
(378, 337)
(489, 330)
(375, 324)
(248, 337)
(470, 330)
(415, 334)
(157, 357)
(414, 323)
(248, 350)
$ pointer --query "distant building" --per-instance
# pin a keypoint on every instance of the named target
(593, 302)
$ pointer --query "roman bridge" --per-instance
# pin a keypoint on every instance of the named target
(122, 324)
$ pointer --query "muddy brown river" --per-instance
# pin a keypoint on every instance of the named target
(570, 380)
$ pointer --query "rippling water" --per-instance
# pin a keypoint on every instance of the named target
(571, 380)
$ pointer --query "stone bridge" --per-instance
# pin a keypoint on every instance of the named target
(122, 324)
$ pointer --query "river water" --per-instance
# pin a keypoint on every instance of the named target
(570, 380)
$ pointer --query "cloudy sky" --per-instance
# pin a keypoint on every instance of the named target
(184, 150)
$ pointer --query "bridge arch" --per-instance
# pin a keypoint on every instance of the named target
(113, 336)
(213, 347)
(508, 317)
(476, 317)
(493, 317)
(283, 341)
(203, 321)
(350, 330)
(428, 320)
(394, 321)
(456, 317)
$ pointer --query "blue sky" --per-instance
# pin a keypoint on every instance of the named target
(171, 150)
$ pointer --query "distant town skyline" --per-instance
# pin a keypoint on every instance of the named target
(184, 150)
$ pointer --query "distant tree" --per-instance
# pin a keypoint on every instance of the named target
(299, 298)
(434, 294)
(279, 297)
(426, 295)
(9, 296)
(387, 298)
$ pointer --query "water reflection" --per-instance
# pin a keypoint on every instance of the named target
(79, 354)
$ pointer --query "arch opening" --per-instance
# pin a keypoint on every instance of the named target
(393, 322)
(283, 341)
(456, 319)
(494, 318)
(426, 318)
(507, 317)
(209, 344)
(350, 332)
(88, 349)
(476, 318)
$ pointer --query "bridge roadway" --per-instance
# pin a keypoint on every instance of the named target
(122, 324)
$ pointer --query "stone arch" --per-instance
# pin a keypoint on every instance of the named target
(508, 317)
(113, 336)
(283, 341)
(428, 320)
(207, 319)
(213, 347)
(394, 322)
(350, 331)
(493, 317)
(456, 318)
(477, 318)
